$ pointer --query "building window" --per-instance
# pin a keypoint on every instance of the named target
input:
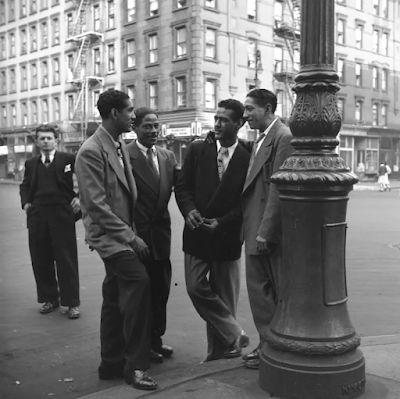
(33, 38)
(111, 14)
(130, 10)
(44, 4)
(3, 48)
(340, 31)
(278, 11)
(374, 114)
(70, 106)
(33, 6)
(153, 48)
(251, 53)
(11, 10)
(96, 95)
(384, 109)
(153, 8)
(359, 36)
(13, 87)
(45, 74)
(24, 78)
(56, 109)
(211, 43)
(130, 53)
(340, 105)
(12, 45)
(34, 81)
(358, 74)
(130, 90)
(359, 4)
(13, 115)
(375, 83)
(4, 115)
(211, 93)
(45, 35)
(3, 83)
(181, 3)
(96, 62)
(278, 59)
(385, 43)
(24, 39)
(2, 12)
(45, 110)
(385, 7)
(34, 112)
(70, 25)
(23, 8)
(358, 114)
(56, 31)
(56, 71)
(346, 150)
(24, 113)
(252, 10)
(211, 4)
(181, 49)
(96, 18)
(70, 67)
(111, 58)
(384, 76)
(153, 95)
(340, 69)
(375, 41)
(181, 91)
(371, 155)
(376, 7)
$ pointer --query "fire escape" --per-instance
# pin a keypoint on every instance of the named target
(83, 36)
(287, 27)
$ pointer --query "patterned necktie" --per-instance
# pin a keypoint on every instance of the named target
(47, 159)
(118, 146)
(151, 163)
(254, 153)
(223, 151)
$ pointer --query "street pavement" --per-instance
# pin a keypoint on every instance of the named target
(51, 356)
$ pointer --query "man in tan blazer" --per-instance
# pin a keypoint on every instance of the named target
(108, 197)
(261, 211)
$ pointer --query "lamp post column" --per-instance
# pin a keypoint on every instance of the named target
(312, 348)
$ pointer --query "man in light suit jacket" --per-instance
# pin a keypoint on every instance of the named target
(108, 198)
(261, 211)
(155, 171)
(52, 207)
(208, 193)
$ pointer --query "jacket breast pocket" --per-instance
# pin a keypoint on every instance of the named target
(267, 171)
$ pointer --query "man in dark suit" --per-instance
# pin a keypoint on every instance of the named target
(108, 198)
(52, 206)
(261, 211)
(155, 171)
(208, 193)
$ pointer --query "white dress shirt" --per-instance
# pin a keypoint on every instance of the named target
(51, 156)
(231, 150)
(144, 150)
(265, 134)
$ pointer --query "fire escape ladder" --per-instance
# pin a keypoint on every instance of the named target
(80, 20)
(80, 104)
(80, 64)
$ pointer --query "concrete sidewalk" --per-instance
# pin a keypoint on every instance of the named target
(227, 379)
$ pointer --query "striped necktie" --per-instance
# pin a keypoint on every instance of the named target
(223, 152)
(254, 153)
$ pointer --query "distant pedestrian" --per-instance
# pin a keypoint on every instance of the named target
(52, 207)
(388, 172)
(108, 196)
(208, 193)
(382, 179)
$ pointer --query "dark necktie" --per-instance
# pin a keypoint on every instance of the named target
(151, 163)
(119, 153)
(223, 152)
(254, 152)
(47, 159)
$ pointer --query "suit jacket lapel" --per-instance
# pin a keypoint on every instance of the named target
(58, 165)
(35, 164)
(128, 172)
(112, 156)
(141, 167)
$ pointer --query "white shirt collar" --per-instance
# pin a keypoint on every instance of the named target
(145, 149)
(51, 155)
(231, 149)
(266, 131)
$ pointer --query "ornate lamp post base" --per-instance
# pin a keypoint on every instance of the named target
(292, 376)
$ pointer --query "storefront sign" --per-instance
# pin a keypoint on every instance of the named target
(178, 131)
(29, 148)
(19, 148)
(3, 150)
(72, 136)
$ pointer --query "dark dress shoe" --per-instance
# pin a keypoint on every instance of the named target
(252, 364)
(235, 350)
(255, 354)
(164, 350)
(48, 307)
(156, 357)
(111, 371)
(139, 379)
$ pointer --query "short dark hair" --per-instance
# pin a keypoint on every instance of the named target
(140, 114)
(45, 128)
(262, 97)
(234, 105)
(110, 99)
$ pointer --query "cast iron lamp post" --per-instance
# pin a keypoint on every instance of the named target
(311, 350)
